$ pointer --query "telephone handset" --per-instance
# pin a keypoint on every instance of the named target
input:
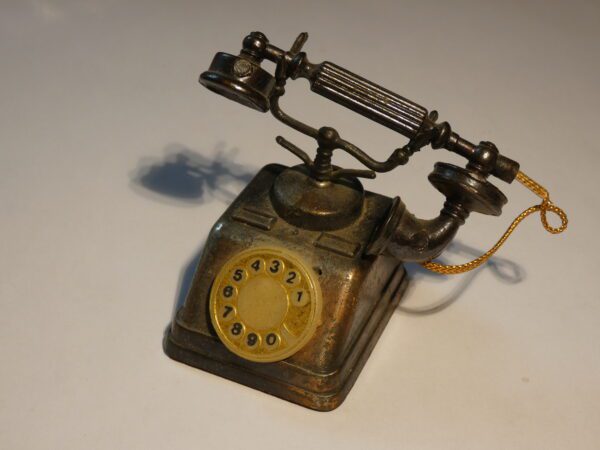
(301, 274)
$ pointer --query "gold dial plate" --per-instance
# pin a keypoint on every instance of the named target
(265, 304)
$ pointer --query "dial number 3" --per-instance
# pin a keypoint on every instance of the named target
(275, 267)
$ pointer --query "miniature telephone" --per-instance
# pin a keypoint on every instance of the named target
(300, 275)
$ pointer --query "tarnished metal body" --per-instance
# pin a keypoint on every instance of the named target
(359, 294)
(355, 241)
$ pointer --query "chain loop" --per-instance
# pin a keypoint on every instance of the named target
(543, 208)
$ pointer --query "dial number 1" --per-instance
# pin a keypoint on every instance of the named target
(300, 297)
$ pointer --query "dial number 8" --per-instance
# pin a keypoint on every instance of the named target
(236, 330)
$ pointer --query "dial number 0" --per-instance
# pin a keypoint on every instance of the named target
(272, 339)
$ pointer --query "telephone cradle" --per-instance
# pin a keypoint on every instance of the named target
(300, 275)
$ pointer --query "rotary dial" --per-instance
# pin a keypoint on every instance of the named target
(265, 304)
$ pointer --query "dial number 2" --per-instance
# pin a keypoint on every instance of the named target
(292, 278)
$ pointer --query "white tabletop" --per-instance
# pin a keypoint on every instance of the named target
(114, 164)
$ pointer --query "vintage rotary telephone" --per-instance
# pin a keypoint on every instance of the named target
(302, 272)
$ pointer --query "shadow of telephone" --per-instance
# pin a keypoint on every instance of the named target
(186, 176)
(300, 275)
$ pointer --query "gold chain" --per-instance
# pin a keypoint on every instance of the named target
(543, 208)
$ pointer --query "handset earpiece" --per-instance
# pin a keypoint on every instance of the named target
(240, 79)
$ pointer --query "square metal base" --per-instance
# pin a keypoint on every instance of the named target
(208, 353)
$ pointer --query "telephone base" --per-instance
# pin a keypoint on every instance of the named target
(282, 378)
(359, 292)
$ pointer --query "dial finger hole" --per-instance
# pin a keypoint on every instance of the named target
(239, 275)
(236, 331)
(276, 266)
(272, 341)
(227, 313)
(252, 340)
(229, 292)
(300, 297)
(292, 277)
(256, 266)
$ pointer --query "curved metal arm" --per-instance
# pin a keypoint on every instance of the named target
(290, 121)
(295, 150)
(397, 158)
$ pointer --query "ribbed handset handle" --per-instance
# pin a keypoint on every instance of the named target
(367, 98)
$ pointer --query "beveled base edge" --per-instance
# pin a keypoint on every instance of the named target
(245, 375)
